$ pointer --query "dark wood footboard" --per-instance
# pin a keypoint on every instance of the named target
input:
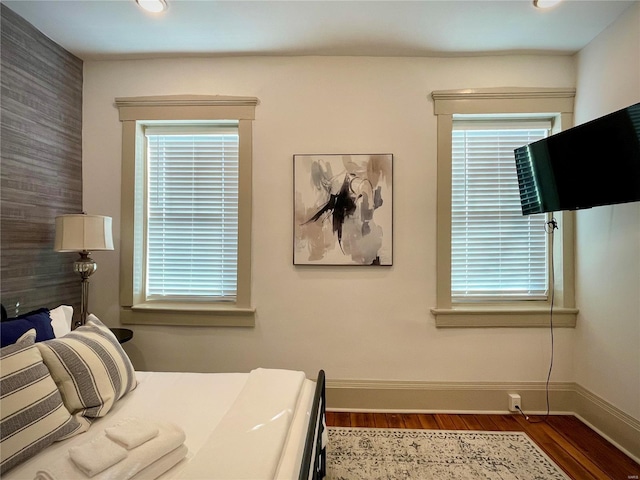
(314, 456)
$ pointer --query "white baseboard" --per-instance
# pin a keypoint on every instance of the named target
(488, 397)
(609, 421)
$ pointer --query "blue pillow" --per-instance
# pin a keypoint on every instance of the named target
(12, 329)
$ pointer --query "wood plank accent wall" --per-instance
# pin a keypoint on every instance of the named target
(41, 165)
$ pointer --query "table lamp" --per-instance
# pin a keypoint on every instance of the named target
(84, 234)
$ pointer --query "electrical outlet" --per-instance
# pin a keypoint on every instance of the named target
(515, 402)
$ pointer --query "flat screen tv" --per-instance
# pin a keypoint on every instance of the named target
(596, 163)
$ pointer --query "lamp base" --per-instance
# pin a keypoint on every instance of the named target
(85, 266)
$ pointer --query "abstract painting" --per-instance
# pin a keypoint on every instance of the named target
(343, 209)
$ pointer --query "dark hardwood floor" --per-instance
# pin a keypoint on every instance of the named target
(578, 450)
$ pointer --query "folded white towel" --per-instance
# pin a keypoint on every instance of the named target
(169, 438)
(97, 455)
(162, 465)
(132, 432)
(63, 469)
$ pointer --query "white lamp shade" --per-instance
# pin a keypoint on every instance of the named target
(81, 232)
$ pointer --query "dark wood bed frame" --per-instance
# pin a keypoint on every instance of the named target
(315, 453)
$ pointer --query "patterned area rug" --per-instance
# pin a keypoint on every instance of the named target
(376, 454)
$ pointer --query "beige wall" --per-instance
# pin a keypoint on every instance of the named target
(356, 323)
(607, 345)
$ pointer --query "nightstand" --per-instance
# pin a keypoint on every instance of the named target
(122, 334)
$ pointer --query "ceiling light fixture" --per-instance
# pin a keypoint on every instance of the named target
(545, 3)
(153, 6)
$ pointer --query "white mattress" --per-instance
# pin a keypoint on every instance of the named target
(196, 402)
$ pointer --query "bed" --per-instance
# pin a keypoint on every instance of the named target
(267, 423)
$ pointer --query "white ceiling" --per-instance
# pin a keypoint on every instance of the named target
(95, 29)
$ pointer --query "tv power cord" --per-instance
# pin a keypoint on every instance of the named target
(523, 414)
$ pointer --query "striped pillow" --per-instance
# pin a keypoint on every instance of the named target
(90, 368)
(31, 409)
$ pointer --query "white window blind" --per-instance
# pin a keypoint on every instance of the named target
(192, 213)
(497, 254)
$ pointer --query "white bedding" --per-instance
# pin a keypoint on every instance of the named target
(196, 402)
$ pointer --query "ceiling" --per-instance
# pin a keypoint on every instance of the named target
(100, 29)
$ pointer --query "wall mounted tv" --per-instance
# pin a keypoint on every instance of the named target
(596, 163)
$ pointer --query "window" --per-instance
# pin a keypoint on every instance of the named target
(186, 210)
(192, 212)
(497, 254)
(493, 263)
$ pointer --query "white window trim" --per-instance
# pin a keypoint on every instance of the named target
(550, 102)
(134, 111)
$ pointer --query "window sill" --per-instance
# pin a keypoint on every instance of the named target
(188, 314)
(472, 317)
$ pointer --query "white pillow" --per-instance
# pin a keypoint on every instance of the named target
(90, 368)
(61, 319)
(32, 414)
